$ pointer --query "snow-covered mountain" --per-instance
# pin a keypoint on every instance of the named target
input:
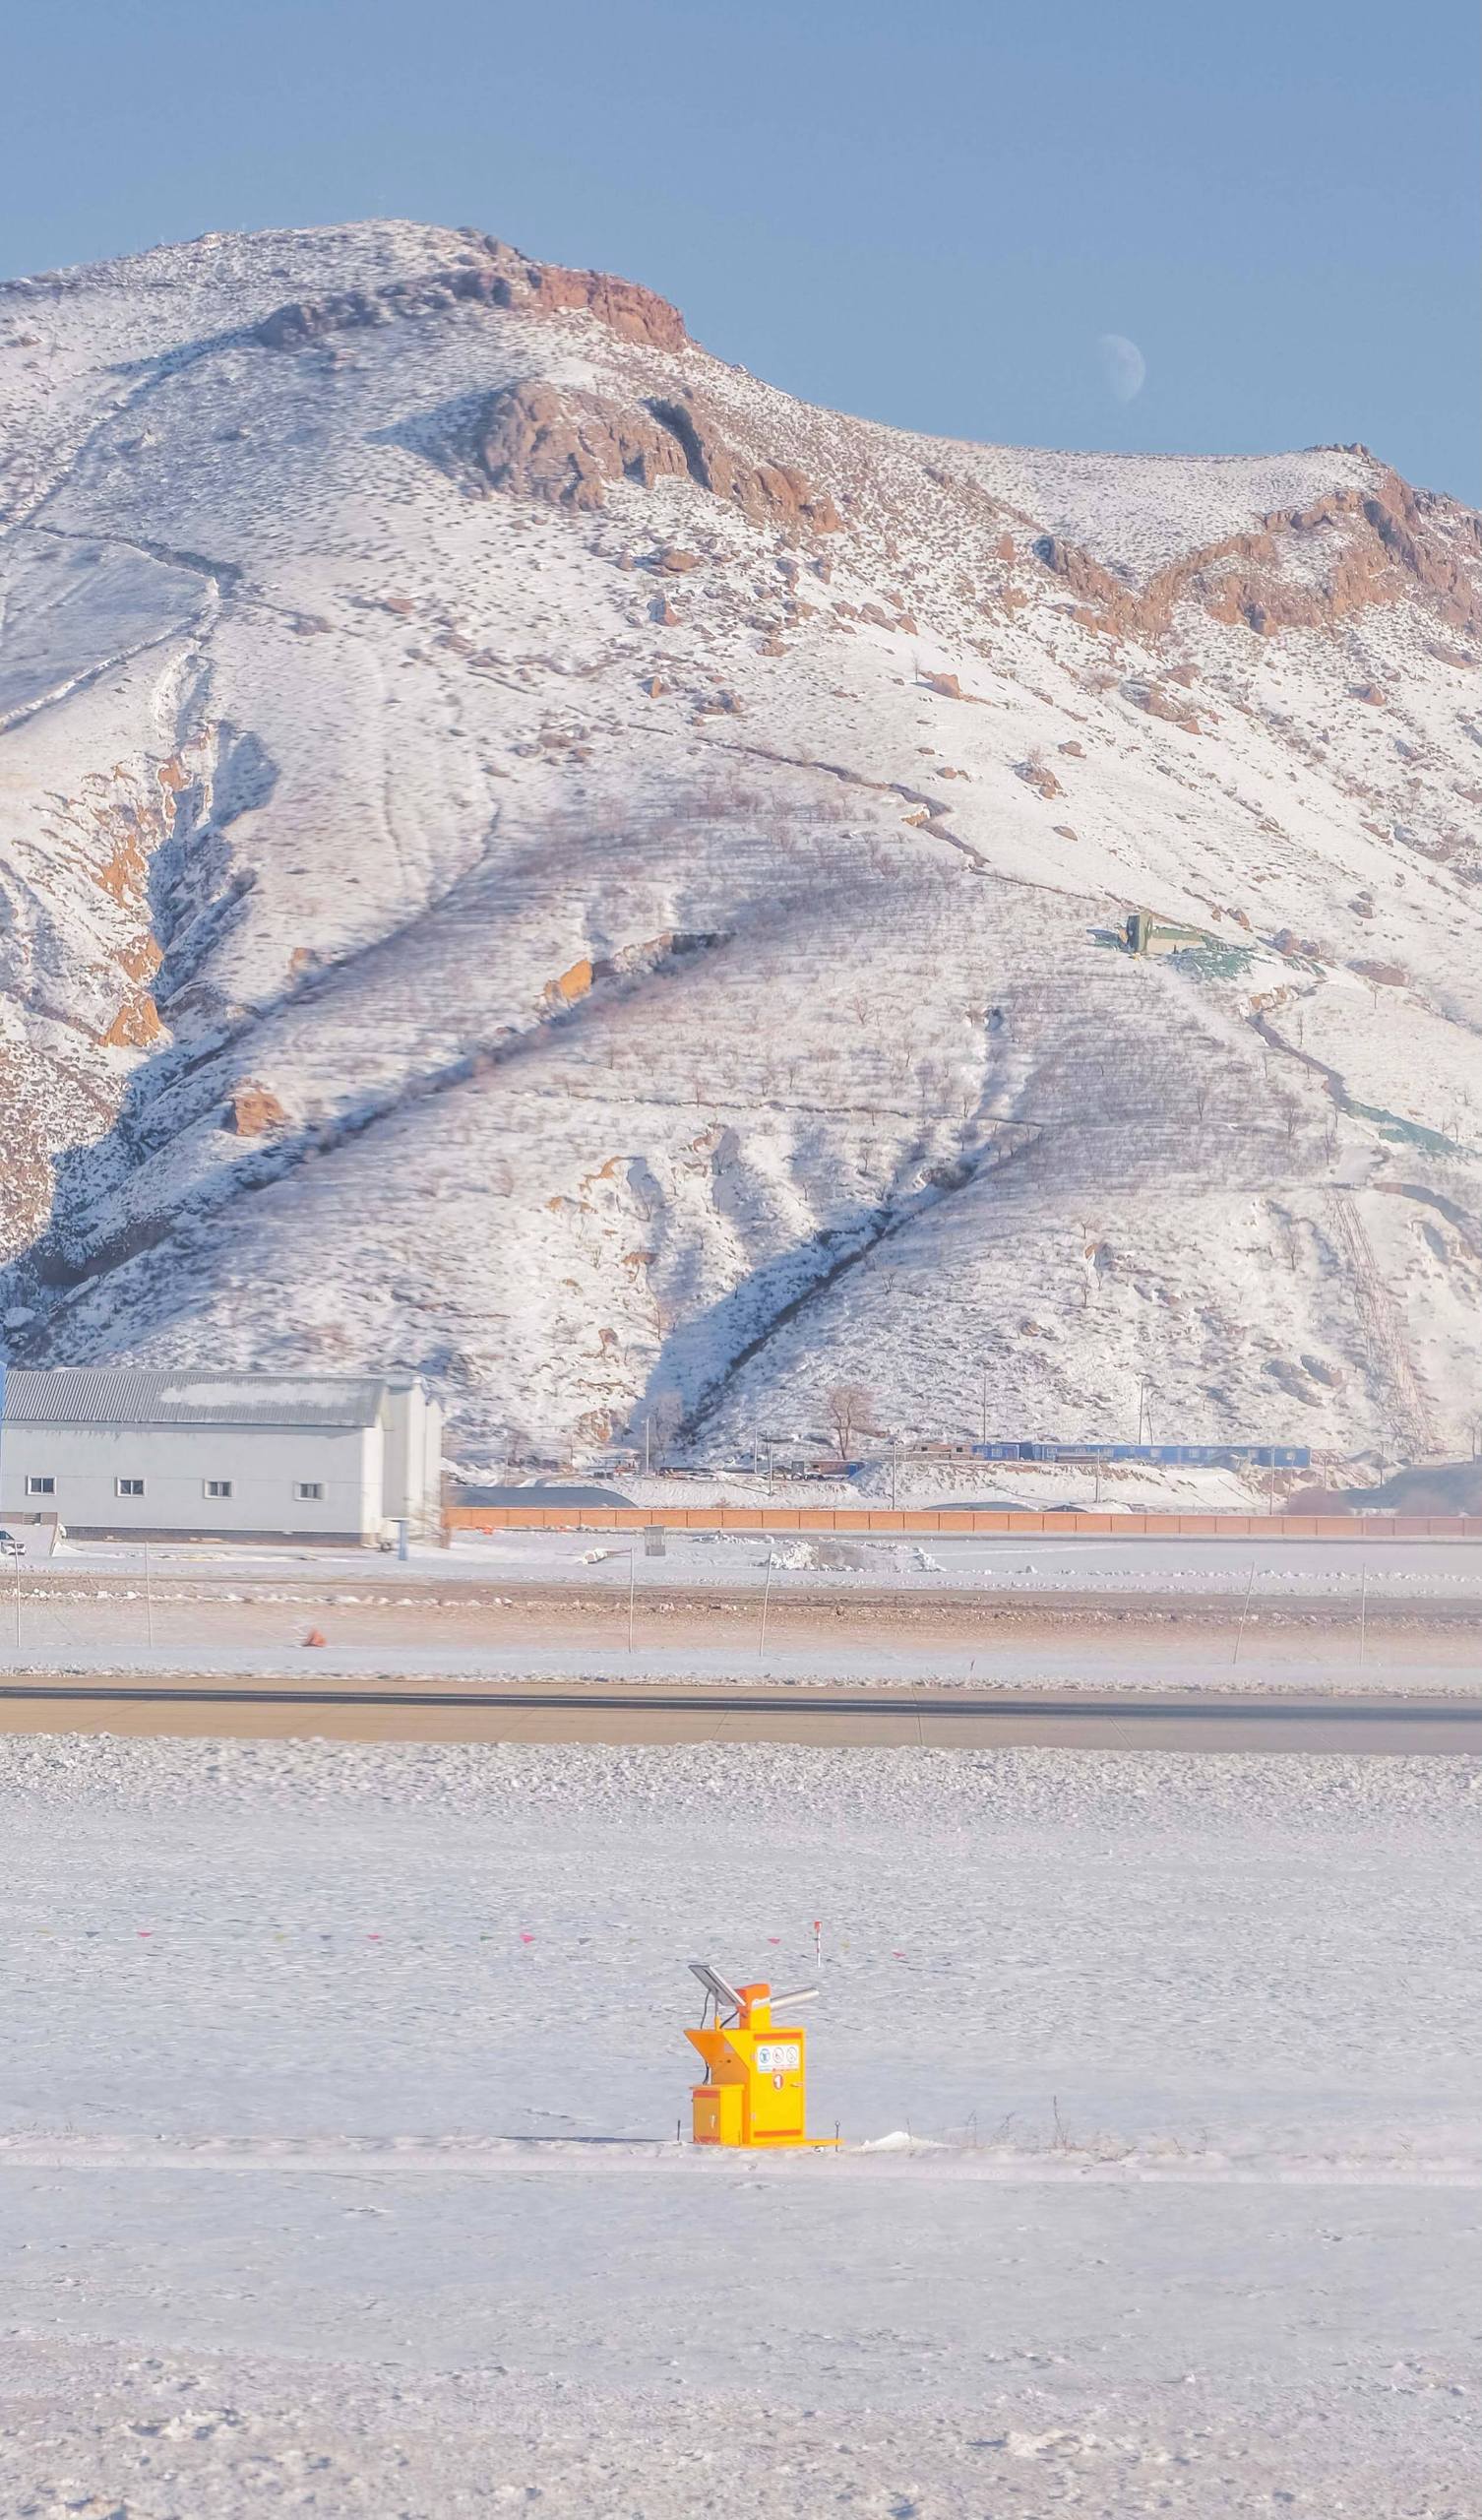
(527, 853)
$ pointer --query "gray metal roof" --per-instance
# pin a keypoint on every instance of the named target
(123, 1396)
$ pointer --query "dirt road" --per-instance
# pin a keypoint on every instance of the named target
(958, 1719)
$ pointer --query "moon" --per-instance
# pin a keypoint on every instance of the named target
(1124, 365)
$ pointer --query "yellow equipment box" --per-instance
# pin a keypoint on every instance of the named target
(755, 2068)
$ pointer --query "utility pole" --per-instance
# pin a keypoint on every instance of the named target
(1245, 1611)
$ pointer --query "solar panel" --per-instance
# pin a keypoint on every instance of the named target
(715, 1985)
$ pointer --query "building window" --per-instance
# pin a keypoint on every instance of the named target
(128, 1487)
(216, 1486)
(308, 1491)
(40, 1488)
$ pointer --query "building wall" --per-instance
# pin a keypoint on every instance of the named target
(263, 1463)
(413, 1457)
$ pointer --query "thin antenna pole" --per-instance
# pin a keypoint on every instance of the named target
(1244, 1613)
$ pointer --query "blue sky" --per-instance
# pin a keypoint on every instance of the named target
(935, 215)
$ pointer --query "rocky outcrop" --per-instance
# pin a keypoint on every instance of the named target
(491, 274)
(136, 1025)
(1354, 547)
(1154, 702)
(770, 494)
(253, 1112)
(566, 447)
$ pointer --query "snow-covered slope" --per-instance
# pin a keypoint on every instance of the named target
(527, 853)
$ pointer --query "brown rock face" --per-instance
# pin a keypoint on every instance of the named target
(567, 447)
(494, 275)
(1376, 546)
(253, 1112)
(634, 314)
(1157, 703)
(768, 493)
(136, 1025)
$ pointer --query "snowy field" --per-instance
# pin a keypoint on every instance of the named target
(316, 2057)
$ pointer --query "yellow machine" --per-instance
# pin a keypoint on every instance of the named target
(756, 2070)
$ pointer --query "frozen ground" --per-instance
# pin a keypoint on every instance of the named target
(1443, 1570)
(1292, 1570)
(283, 2026)
(555, 1606)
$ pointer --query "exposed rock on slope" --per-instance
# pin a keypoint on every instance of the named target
(529, 854)
(567, 448)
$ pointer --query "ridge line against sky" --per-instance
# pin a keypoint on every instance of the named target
(1145, 228)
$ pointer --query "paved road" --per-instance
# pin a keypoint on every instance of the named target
(845, 1718)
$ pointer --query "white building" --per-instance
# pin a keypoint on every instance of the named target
(112, 1450)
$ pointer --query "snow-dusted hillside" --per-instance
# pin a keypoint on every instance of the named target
(527, 853)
